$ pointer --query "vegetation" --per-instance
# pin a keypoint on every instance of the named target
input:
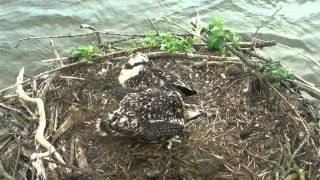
(168, 42)
(87, 53)
(218, 36)
(276, 73)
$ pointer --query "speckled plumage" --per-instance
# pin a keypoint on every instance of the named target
(140, 74)
(151, 116)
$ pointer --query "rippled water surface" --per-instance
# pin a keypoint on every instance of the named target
(296, 25)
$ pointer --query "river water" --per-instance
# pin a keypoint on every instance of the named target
(296, 25)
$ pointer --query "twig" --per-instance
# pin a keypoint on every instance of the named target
(188, 32)
(53, 65)
(291, 106)
(259, 57)
(208, 63)
(301, 53)
(18, 154)
(242, 57)
(86, 26)
(266, 22)
(72, 150)
(224, 133)
(10, 108)
(284, 98)
(312, 90)
(42, 74)
(189, 56)
(252, 174)
(306, 139)
(265, 160)
(39, 136)
(80, 156)
(71, 77)
(55, 59)
(88, 170)
(77, 35)
(249, 44)
(153, 26)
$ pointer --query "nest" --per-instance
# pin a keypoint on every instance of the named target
(249, 133)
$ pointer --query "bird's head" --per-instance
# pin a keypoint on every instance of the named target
(136, 60)
(192, 112)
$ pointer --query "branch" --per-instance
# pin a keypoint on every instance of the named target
(77, 35)
(301, 53)
(311, 90)
(248, 44)
(189, 56)
(40, 75)
(242, 57)
(39, 136)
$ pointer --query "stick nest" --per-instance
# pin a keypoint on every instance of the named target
(249, 133)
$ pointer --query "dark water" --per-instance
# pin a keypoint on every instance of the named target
(296, 25)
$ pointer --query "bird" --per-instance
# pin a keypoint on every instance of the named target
(139, 73)
(151, 116)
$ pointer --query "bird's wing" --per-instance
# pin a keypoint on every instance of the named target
(149, 115)
(174, 80)
(159, 131)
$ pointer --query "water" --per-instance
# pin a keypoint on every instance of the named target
(296, 25)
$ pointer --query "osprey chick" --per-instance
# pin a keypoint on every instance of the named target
(138, 73)
(152, 116)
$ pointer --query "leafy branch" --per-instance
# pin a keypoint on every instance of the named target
(87, 53)
(168, 42)
(218, 36)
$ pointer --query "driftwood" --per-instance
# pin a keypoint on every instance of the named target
(39, 137)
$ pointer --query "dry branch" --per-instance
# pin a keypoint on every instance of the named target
(243, 58)
(246, 44)
(39, 136)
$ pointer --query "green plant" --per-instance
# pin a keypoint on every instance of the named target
(218, 36)
(168, 42)
(87, 53)
(276, 73)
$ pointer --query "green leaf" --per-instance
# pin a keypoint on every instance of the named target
(86, 53)
(168, 42)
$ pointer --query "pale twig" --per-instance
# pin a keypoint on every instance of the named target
(153, 26)
(246, 44)
(187, 31)
(252, 174)
(52, 65)
(77, 35)
(306, 139)
(301, 53)
(55, 59)
(161, 54)
(42, 74)
(39, 136)
(71, 77)
(266, 22)
(80, 155)
(310, 89)
(10, 108)
(291, 106)
(265, 160)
